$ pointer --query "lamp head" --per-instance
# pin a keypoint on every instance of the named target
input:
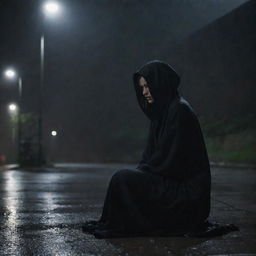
(51, 8)
(10, 73)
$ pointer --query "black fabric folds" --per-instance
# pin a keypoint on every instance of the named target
(169, 191)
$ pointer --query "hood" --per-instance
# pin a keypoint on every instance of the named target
(163, 82)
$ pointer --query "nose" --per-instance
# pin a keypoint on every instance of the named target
(145, 91)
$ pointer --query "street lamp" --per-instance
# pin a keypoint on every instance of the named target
(52, 148)
(12, 74)
(54, 133)
(12, 108)
(50, 9)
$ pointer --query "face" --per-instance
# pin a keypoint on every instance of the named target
(145, 90)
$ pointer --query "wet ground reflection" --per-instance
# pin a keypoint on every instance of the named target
(41, 212)
(11, 204)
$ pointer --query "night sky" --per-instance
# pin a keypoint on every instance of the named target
(92, 49)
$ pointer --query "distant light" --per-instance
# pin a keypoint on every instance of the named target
(51, 8)
(12, 107)
(10, 73)
(54, 133)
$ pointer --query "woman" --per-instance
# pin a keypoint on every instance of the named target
(169, 192)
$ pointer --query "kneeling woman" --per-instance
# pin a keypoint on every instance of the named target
(169, 192)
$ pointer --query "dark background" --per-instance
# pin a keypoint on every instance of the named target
(94, 47)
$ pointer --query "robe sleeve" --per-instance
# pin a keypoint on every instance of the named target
(172, 148)
(143, 166)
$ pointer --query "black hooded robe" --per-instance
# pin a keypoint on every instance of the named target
(169, 192)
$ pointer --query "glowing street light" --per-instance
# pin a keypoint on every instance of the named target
(51, 8)
(52, 149)
(12, 108)
(54, 133)
(10, 73)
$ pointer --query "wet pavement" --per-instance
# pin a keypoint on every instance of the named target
(41, 212)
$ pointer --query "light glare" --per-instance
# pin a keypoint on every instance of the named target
(54, 133)
(10, 73)
(12, 107)
(51, 8)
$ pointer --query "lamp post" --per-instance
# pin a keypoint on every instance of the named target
(54, 137)
(50, 9)
(11, 74)
(13, 110)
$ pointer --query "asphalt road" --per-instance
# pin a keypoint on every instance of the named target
(41, 212)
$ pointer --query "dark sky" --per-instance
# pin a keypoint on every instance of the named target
(92, 49)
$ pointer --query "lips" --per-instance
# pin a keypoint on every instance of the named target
(149, 99)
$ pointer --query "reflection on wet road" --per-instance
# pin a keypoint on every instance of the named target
(41, 212)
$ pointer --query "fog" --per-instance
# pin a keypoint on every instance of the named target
(91, 51)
